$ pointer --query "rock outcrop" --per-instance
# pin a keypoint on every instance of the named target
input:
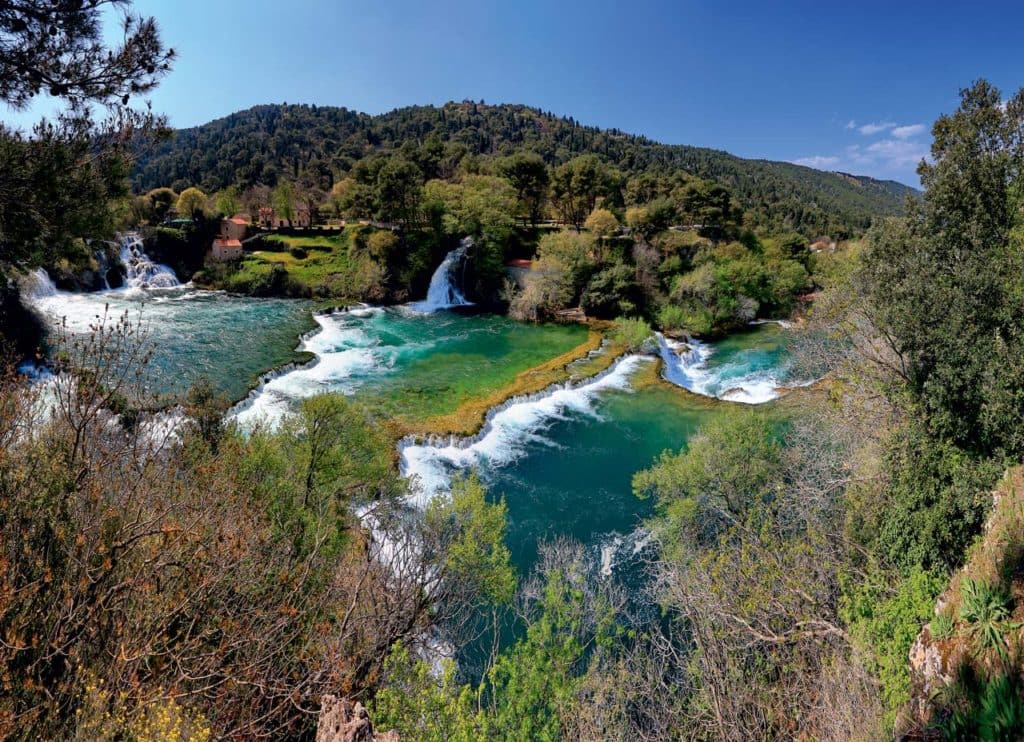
(343, 721)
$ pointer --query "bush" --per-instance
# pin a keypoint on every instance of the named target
(610, 292)
(884, 623)
(297, 252)
(942, 627)
(985, 608)
(672, 317)
(631, 332)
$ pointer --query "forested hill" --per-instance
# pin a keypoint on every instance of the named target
(317, 144)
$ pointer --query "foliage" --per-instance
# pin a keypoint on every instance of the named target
(730, 465)
(53, 194)
(191, 201)
(423, 706)
(611, 292)
(478, 553)
(631, 333)
(576, 186)
(986, 609)
(227, 201)
(161, 584)
(602, 223)
(267, 143)
(934, 505)
(885, 620)
(946, 281)
(982, 708)
(942, 627)
(59, 50)
(528, 174)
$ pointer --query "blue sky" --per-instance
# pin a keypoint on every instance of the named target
(851, 86)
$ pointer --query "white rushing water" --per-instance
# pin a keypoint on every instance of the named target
(509, 426)
(141, 272)
(444, 292)
(345, 355)
(145, 280)
(686, 365)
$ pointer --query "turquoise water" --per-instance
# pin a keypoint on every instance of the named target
(231, 340)
(575, 478)
(410, 364)
(750, 366)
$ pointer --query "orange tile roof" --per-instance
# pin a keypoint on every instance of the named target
(237, 220)
(227, 243)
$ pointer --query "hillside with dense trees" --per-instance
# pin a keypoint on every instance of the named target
(317, 146)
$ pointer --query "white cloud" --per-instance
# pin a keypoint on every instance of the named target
(896, 154)
(869, 129)
(891, 150)
(906, 132)
(819, 162)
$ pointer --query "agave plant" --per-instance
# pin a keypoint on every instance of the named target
(986, 610)
(942, 627)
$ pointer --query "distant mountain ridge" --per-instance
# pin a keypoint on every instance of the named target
(319, 144)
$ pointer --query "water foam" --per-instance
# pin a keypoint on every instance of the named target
(443, 292)
(686, 365)
(141, 271)
(430, 465)
(345, 356)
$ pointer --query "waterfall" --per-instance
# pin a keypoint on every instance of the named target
(443, 292)
(141, 271)
(684, 364)
(741, 379)
(38, 285)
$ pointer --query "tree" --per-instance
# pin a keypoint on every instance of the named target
(528, 174)
(161, 200)
(611, 292)
(573, 251)
(602, 223)
(190, 202)
(398, 190)
(227, 201)
(709, 207)
(549, 288)
(943, 283)
(59, 49)
(381, 245)
(576, 186)
(283, 200)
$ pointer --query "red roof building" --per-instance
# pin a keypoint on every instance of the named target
(224, 250)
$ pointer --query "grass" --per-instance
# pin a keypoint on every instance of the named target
(325, 256)
(324, 268)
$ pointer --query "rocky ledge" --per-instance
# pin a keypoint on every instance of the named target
(343, 721)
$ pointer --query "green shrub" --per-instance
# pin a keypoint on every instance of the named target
(884, 623)
(672, 317)
(299, 253)
(632, 332)
(975, 707)
(986, 608)
(942, 627)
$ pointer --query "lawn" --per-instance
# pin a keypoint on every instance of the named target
(325, 270)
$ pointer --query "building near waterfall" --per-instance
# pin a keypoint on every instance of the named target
(234, 228)
(224, 250)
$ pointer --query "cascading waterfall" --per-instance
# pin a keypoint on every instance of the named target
(38, 285)
(741, 380)
(141, 272)
(443, 292)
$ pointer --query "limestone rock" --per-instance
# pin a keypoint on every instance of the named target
(343, 721)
